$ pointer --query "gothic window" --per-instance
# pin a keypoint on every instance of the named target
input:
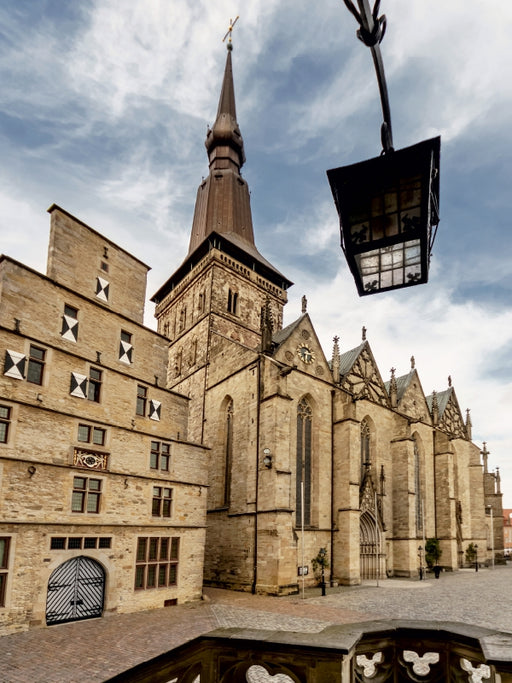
(232, 302)
(70, 323)
(365, 447)
(417, 490)
(228, 455)
(303, 477)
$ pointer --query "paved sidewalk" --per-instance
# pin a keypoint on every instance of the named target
(97, 649)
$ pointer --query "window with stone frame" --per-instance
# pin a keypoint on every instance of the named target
(5, 423)
(160, 456)
(161, 504)
(156, 562)
(86, 495)
(126, 348)
(91, 434)
(142, 397)
(303, 461)
(69, 329)
(94, 385)
(232, 302)
(418, 508)
(4, 567)
(36, 362)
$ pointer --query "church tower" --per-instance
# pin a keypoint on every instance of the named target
(212, 304)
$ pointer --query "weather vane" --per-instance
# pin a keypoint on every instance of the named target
(229, 31)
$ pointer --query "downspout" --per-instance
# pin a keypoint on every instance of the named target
(331, 575)
(258, 411)
(207, 360)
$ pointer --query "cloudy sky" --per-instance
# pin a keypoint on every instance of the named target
(104, 107)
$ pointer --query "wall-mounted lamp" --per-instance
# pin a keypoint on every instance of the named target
(267, 458)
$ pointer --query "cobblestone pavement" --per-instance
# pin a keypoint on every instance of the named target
(97, 649)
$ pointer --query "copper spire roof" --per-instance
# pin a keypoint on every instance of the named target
(223, 201)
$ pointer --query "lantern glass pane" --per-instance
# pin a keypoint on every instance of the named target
(390, 266)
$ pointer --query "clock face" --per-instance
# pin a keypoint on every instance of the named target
(305, 354)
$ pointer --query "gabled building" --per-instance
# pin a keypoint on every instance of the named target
(127, 455)
(102, 492)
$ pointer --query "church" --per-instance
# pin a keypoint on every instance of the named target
(222, 449)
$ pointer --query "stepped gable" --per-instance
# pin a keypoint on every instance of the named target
(450, 418)
(360, 376)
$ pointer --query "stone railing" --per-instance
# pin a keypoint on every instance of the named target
(370, 652)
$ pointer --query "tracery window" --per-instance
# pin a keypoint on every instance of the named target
(417, 490)
(303, 477)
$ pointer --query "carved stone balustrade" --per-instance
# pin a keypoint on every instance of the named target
(369, 652)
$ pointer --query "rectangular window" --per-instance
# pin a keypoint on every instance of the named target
(94, 385)
(154, 567)
(35, 365)
(160, 456)
(90, 434)
(162, 502)
(74, 543)
(142, 394)
(69, 328)
(126, 348)
(232, 302)
(57, 543)
(86, 495)
(5, 421)
(4, 565)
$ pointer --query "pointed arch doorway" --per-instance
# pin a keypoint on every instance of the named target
(371, 557)
(76, 591)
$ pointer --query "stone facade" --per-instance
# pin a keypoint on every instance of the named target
(87, 465)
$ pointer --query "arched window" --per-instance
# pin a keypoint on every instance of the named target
(228, 453)
(303, 478)
(365, 447)
(232, 302)
(417, 490)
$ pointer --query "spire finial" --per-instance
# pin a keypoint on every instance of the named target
(449, 380)
(304, 304)
(363, 331)
(228, 34)
(336, 360)
(413, 362)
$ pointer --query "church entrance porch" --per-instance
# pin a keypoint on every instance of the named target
(76, 591)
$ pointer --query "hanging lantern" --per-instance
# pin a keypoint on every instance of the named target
(389, 211)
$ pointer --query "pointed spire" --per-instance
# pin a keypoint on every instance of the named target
(469, 425)
(485, 456)
(393, 389)
(223, 202)
(435, 408)
(336, 361)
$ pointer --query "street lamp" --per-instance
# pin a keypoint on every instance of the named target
(388, 206)
(420, 555)
(489, 507)
(476, 557)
